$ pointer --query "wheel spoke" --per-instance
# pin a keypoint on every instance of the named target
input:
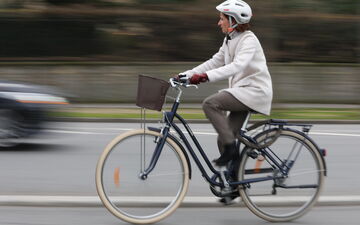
(126, 193)
(296, 184)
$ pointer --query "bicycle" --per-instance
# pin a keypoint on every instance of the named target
(143, 175)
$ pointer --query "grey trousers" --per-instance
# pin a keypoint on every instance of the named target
(227, 126)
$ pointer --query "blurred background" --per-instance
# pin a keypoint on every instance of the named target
(321, 31)
(93, 49)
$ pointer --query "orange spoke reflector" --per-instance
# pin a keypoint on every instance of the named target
(258, 163)
(117, 177)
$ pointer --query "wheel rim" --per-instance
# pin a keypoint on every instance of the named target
(284, 203)
(135, 200)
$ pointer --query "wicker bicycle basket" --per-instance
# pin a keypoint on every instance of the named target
(151, 92)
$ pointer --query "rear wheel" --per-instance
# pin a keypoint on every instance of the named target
(289, 196)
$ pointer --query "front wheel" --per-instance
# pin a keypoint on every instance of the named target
(135, 198)
(286, 196)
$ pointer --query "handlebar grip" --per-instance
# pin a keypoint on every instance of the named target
(182, 78)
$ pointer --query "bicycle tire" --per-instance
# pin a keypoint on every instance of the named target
(281, 204)
(129, 195)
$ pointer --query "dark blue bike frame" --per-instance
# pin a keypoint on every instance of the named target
(169, 118)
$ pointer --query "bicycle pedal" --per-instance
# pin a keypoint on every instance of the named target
(230, 192)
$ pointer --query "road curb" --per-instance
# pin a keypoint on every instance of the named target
(192, 201)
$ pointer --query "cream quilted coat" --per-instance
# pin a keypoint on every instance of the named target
(242, 61)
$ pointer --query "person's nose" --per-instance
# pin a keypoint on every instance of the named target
(219, 23)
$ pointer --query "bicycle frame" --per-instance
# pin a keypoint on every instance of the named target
(169, 117)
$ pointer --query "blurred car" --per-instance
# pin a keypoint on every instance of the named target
(23, 110)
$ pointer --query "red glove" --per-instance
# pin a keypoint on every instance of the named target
(198, 78)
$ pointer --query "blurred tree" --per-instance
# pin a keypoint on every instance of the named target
(64, 2)
(324, 6)
(11, 3)
(164, 1)
(178, 30)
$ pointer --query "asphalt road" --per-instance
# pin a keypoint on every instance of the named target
(62, 160)
(199, 216)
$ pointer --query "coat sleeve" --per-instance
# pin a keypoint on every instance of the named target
(216, 61)
(243, 56)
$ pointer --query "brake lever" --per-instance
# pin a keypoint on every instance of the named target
(172, 82)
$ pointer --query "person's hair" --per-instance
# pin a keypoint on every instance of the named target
(240, 27)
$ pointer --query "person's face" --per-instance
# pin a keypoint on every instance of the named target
(223, 23)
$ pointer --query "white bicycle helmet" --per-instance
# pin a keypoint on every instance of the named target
(237, 9)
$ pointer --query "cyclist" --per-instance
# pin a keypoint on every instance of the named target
(241, 60)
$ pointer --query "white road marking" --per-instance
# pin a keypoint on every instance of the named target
(70, 132)
(334, 134)
(185, 132)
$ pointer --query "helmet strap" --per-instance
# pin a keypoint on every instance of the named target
(232, 26)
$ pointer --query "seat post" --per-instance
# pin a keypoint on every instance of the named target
(243, 128)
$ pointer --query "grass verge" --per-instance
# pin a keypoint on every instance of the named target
(292, 114)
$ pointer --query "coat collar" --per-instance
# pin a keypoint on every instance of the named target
(233, 35)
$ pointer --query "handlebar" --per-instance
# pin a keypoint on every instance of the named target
(183, 81)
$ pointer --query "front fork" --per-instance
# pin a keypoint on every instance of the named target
(160, 142)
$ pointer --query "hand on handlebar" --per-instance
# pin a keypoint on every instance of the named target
(198, 78)
(182, 78)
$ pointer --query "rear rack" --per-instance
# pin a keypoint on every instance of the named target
(281, 123)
